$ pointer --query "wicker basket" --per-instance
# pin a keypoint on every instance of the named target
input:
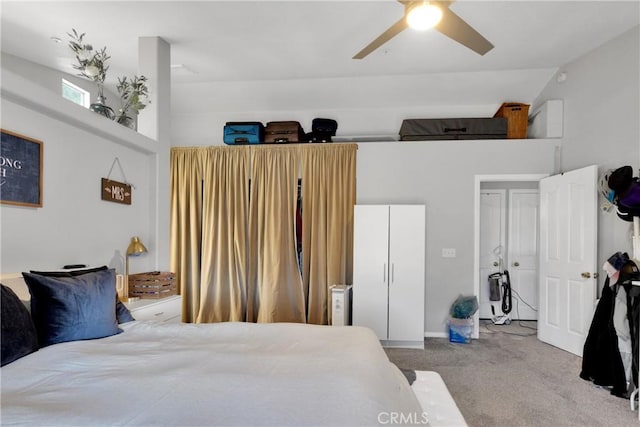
(152, 285)
(517, 116)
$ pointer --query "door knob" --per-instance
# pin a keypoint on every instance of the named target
(516, 264)
(495, 263)
(586, 275)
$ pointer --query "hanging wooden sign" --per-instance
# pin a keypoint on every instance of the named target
(117, 192)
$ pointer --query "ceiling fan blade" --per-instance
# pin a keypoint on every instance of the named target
(457, 29)
(391, 32)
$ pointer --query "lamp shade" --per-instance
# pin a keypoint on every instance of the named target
(136, 247)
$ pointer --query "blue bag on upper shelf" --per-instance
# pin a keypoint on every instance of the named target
(242, 133)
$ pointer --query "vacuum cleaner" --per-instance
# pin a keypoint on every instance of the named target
(500, 290)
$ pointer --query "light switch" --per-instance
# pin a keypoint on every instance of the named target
(448, 252)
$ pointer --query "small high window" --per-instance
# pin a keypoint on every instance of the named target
(75, 94)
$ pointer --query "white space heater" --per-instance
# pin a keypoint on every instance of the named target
(341, 305)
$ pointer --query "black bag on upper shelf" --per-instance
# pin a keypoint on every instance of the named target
(446, 129)
(327, 127)
(317, 137)
(322, 130)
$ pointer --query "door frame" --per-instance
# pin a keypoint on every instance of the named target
(478, 180)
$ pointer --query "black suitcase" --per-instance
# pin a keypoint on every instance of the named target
(446, 129)
(324, 126)
(322, 130)
(283, 132)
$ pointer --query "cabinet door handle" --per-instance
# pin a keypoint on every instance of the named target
(159, 314)
(384, 273)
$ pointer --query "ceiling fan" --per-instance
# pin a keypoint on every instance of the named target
(449, 24)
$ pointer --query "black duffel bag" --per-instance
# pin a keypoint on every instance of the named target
(321, 126)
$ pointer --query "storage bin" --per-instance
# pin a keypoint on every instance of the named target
(517, 116)
(460, 330)
(152, 285)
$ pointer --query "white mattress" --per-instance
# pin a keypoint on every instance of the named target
(213, 374)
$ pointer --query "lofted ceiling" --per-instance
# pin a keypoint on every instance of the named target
(217, 44)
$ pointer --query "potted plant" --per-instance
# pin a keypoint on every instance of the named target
(134, 96)
(92, 65)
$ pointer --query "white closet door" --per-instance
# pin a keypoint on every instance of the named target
(406, 276)
(523, 253)
(370, 267)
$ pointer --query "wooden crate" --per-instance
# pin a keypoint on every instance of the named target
(152, 285)
(517, 116)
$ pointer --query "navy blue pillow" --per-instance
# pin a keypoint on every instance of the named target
(73, 308)
(123, 315)
(18, 336)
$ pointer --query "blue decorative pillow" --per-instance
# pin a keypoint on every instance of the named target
(123, 315)
(19, 336)
(73, 308)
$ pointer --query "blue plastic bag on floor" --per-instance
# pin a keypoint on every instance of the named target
(464, 307)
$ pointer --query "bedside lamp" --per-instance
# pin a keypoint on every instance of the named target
(136, 248)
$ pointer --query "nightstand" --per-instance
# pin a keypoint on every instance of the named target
(168, 309)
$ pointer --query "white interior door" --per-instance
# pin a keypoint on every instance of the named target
(492, 236)
(522, 251)
(568, 233)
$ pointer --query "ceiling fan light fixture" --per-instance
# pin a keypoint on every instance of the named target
(424, 16)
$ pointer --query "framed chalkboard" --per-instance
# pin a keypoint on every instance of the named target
(20, 170)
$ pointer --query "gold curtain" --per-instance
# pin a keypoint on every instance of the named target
(223, 280)
(235, 255)
(186, 225)
(328, 197)
(275, 291)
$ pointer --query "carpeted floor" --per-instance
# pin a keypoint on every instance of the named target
(509, 378)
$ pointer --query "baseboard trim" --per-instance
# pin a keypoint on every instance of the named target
(436, 335)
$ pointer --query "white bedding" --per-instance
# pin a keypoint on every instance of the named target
(209, 374)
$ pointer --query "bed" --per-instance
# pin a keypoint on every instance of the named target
(233, 373)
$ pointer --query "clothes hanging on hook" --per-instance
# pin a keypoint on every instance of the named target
(607, 345)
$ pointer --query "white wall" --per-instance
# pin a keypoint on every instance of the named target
(362, 105)
(51, 80)
(602, 109)
(441, 175)
(74, 225)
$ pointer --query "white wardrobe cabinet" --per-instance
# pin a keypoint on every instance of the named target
(388, 272)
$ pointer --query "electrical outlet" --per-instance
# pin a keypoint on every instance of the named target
(448, 252)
